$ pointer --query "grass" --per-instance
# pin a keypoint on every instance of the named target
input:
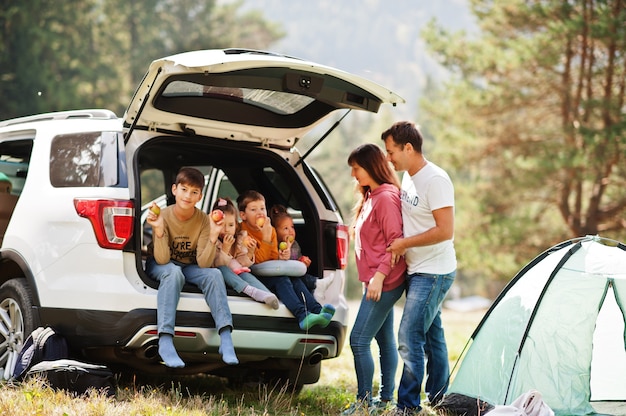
(204, 395)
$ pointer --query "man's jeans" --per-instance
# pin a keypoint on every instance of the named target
(375, 320)
(172, 277)
(421, 337)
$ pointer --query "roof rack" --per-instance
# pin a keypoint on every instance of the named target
(100, 114)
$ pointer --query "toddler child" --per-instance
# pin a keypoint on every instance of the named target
(286, 232)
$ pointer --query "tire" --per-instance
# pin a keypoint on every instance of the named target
(281, 381)
(294, 379)
(17, 321)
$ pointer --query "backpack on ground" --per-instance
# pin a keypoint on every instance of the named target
(43, 344)
(45, 354)
(75, 376)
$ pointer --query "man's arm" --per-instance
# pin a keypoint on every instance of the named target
(442, 231)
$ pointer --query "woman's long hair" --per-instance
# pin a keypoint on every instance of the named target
(372, 159)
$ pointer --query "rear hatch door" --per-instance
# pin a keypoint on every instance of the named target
(247, 95)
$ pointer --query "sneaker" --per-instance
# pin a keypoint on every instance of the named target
(396, 411)
(434, 401)
(379, 406)
(356, 408)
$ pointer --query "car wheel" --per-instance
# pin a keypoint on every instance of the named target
(281, 381)
(294, 378)
(17, 321)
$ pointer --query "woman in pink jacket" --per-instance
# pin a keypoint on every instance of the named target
(377, 222)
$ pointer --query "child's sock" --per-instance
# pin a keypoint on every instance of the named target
(168, 353)
(327, 318)
(227, 349)
(261, 296)
(329, 309)
(313, 319)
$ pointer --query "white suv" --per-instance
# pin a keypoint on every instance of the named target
(74, 185)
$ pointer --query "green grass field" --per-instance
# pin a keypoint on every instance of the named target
(211, 396)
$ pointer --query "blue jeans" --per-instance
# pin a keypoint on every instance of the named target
(375, 320)
(310, 281)
(421, 337)
(240, 281)
(172, 277)
(294, 294)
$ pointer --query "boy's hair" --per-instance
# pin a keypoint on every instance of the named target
(403, 132)
(190, 177)
(225, 205)
(277, 213)
(248, 196)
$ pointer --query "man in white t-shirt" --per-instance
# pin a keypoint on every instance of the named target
(428, 214)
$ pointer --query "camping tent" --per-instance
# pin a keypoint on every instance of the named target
(558, 328)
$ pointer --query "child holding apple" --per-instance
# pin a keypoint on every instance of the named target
(290, 290)
(182, 250)
(235, 253)
(286, 235)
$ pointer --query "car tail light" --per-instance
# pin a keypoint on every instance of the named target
(112, 220)
(342, 245)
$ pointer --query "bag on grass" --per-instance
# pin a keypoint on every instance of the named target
(75, 376)
(528, 404)
(43, 344)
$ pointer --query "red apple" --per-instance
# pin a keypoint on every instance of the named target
(282, 246)
(260, 222)
(217, 215)
(155, 210)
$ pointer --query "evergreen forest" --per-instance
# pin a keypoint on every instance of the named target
(529, 121)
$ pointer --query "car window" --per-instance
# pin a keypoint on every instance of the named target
(226, 189)
(14, 160)
(276, 101)
(285, 193)
(85, 159)
(152, 185)
(274, 185)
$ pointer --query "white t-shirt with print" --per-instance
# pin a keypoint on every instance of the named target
(429, 189)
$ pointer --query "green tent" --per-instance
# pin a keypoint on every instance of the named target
(558, 328)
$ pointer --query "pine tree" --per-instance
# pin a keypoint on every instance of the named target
(89, 54)
(534, 123)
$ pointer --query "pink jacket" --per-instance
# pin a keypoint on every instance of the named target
(378, 224)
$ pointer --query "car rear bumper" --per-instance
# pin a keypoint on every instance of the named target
(255, 337)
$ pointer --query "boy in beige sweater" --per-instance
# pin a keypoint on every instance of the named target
(183, 250)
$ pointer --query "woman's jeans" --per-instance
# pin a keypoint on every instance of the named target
(375, 320)
(421, 338)
(240, 281)
(172, 277)
(294, 294)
